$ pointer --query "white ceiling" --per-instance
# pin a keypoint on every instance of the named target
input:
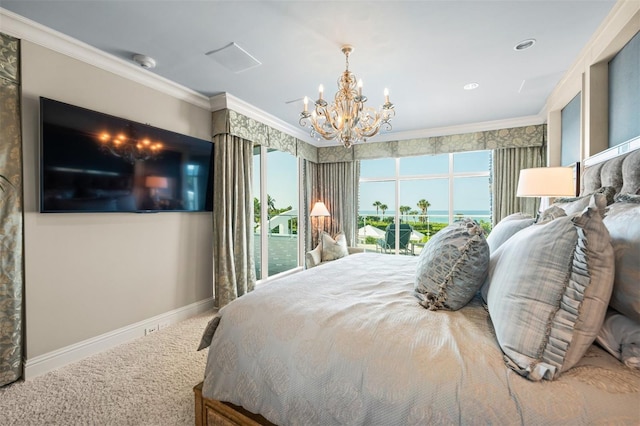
(423, 51)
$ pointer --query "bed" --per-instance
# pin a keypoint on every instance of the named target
(349, 343)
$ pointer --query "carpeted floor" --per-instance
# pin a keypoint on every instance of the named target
(147, 381)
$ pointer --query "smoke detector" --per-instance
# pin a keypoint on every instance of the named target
(145, 61)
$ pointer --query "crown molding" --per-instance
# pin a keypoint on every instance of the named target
(618, 27)
(22, 28)
(227, 100)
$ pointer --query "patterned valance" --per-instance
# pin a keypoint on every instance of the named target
(517, 137)
(231, 122)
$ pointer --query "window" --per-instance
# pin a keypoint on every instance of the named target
(428, 192)
(276, 200)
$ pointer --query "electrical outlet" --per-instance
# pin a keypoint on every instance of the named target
(163, 325)
(150, 330)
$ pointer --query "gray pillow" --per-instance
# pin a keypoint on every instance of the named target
(551, 213)
(620, 336)
(506, 228)
(623, 222)
(333, 249)
(452, 266)
(573, 205)
(550, 285)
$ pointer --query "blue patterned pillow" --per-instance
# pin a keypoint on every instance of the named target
(452, 266)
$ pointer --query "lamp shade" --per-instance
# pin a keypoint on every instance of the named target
(319, 209)
(156, 182)
(546, 182)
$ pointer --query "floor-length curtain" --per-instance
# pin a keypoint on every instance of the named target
(310, 182)
(507, 164)
(233, 262)
(335, 184)
(11, 271)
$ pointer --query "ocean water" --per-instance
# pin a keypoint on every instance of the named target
(439, 216)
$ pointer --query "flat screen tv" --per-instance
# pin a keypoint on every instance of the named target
(94, 162)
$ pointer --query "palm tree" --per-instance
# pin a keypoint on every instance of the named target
(271, 204)
(383, 207)
(423, 205)
(414, 213)
(377, 205)
(404, 210)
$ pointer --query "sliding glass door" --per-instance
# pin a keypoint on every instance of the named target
(276, 200)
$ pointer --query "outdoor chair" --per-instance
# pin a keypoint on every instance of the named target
(388, 243)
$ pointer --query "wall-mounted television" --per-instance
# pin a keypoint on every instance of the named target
(94, 162)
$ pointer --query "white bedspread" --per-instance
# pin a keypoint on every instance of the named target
(347, 343)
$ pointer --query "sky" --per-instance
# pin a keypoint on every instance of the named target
(427, 178)
(470, 193)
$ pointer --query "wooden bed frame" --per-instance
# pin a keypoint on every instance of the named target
(210, 412)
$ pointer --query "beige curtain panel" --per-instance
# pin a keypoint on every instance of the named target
(335, 184)
(507, 164)
(233, 263)
(11, 272)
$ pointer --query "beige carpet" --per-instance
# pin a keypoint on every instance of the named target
(147, 381)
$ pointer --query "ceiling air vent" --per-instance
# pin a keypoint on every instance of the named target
(234, 58)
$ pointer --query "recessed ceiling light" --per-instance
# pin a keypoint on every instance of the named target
(525, 44)
(471, 86)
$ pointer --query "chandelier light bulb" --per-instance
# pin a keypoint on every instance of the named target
(320, 91)
(306, 104)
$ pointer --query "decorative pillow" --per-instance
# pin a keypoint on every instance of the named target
(550, 285)
(623, 222)
(452, 266)
(620, 336)
(506, 228)
(550, 213)
(573, 205)
(333, 249)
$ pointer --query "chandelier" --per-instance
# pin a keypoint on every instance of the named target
(128, 147)
(347, 118)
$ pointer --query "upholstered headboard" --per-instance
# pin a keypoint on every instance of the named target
(613, 168)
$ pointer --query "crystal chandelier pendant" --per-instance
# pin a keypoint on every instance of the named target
(347, 119)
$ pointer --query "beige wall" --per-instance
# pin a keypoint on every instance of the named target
(88, 274)
(589, 75)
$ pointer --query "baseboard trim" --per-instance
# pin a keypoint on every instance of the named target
(42, 364)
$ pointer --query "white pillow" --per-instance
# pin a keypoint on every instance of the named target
(506, 228)
(333, 249)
